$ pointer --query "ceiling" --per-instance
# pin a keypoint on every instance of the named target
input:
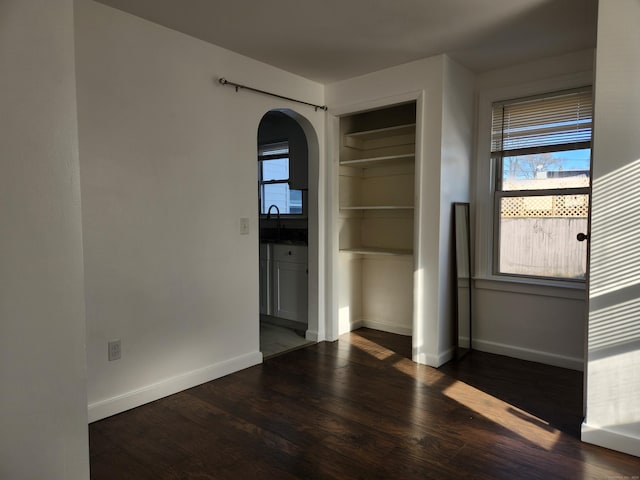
(331, 40)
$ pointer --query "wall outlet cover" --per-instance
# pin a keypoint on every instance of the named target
(115, 351)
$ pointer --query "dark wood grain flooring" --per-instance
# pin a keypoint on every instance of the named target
(359, 408)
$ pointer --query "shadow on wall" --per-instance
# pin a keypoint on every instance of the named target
(613, 384)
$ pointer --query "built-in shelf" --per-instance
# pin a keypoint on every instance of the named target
(377, 161)
(376, 183)
(406, 129)
(405, 134)
(379, 207)
(377, 251)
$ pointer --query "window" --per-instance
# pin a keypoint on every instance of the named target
(273, 181)
(541, 152)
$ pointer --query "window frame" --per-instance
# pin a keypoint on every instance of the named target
(262, 157)
(484, 171)
(497, 158)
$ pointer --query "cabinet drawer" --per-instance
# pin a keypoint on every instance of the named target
(290, 253)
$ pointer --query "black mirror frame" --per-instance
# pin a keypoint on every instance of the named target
(463, 276)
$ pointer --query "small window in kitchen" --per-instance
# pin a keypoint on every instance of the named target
(273, 180)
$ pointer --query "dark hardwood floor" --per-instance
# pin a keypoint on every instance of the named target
(359, 408)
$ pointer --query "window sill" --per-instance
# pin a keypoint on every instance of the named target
(545, 288)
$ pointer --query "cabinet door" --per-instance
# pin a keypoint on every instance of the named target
(265, 288)
(290, 290)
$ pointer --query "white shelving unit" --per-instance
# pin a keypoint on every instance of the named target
(375, 138)
(378, 161)
(377, 198)
(376, 190)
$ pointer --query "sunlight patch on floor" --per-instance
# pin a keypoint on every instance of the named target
(373, 349)
(402, 364)
(528, 426)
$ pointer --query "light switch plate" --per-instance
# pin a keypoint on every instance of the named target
(244, 226)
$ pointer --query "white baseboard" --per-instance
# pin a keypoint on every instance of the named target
(613, 440)
(387, 327)
(356, 325)
(311, 335)
(435, 361)
(547, 358)
(445, 356)
(135, 398)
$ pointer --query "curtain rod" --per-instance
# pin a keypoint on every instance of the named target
(224, 81)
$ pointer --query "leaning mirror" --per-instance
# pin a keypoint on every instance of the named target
(462, 247)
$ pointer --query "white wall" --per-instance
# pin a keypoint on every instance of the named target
(443, 126)
(43, 416)
(613, 369)
(168, 166)
(458, 115)
(543, 322)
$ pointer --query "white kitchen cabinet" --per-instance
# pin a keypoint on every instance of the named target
(289, 282)
(265, 279)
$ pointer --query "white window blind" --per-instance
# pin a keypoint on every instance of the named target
(538, 123)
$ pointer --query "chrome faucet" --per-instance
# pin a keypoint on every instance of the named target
(278, 217)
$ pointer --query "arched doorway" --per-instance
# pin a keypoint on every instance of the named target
(287, 164)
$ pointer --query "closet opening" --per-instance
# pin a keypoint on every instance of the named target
(377, 203)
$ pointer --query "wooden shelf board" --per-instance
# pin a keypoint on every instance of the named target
(377, 251)
(381, 138)
(377, 161)
(383, 132)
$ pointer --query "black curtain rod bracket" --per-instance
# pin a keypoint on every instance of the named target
(237, 86)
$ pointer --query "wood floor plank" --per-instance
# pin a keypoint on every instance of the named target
(360, 408)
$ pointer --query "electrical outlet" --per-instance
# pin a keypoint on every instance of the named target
(244, 226)
(115, 351)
